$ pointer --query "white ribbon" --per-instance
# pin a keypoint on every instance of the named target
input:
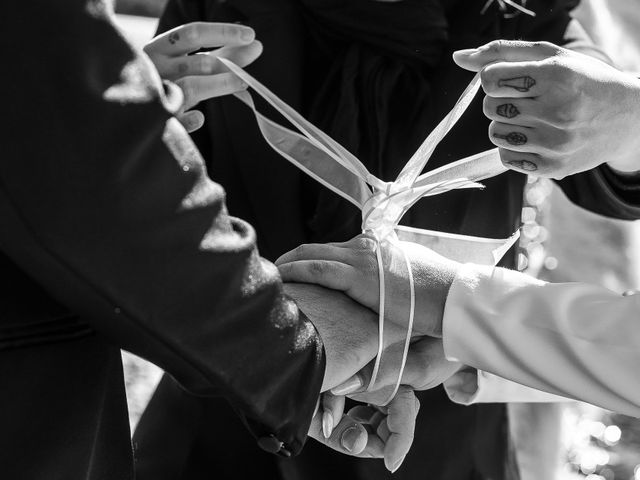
(383, 204)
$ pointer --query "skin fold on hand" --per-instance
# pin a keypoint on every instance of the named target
(556, 112)
(200, 75)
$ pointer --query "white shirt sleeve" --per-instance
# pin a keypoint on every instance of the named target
(569, 339)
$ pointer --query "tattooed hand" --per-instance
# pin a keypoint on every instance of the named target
(556, 112)
(200, 75)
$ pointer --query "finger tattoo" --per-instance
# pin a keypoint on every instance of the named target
(513, 138)
(525, 165)
(174, 38)
(521, 84)
(508, 110)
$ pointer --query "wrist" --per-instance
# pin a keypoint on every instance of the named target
(432, 296)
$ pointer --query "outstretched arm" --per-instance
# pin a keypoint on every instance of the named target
(570, 339)
(104, 200)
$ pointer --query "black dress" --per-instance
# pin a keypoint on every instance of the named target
(377, 77)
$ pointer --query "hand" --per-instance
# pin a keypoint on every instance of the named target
(556, 112)
(200, 75)
(427, 367)
(374, 432)
(349, 334)
(352, 267)
(348, 330)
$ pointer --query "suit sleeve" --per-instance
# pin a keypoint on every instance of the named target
(105, 201)
(569, 339)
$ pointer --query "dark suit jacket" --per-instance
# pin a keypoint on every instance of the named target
(452, 442)
(112, 236)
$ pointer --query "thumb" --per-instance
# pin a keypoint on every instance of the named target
(475, 59)
(191, 120)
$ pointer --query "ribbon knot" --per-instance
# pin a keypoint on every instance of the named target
(382, 211)
(383, 204)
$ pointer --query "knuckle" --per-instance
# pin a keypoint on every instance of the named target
(193, 32)
(224, 30)
(563, 142)
(319, 268)
(182, 68)
(540, 45)
(496, 46)
(556, 68)
(204, 63)
(363, 243)
(546, 165)
(227, 83)
(563, 116)
(488, 78)
(551, 48)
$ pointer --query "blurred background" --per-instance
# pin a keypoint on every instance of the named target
(559, 243)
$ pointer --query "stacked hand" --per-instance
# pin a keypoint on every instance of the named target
(200, 75)
(556, 112)
(352, 268)
(349, 334)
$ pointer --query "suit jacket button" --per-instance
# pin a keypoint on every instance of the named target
(270, 444)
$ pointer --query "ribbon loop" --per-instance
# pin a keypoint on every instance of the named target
(383, 204)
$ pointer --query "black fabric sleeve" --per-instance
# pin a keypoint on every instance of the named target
(105, 201)
(605, 192)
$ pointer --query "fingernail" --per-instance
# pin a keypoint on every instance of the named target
(397, 465)
(524, 165)
(349, 438)
(465, 52)
(247, 35)
(352, 385)
(327, 424)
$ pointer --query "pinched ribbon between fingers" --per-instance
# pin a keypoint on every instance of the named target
(383, 204)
